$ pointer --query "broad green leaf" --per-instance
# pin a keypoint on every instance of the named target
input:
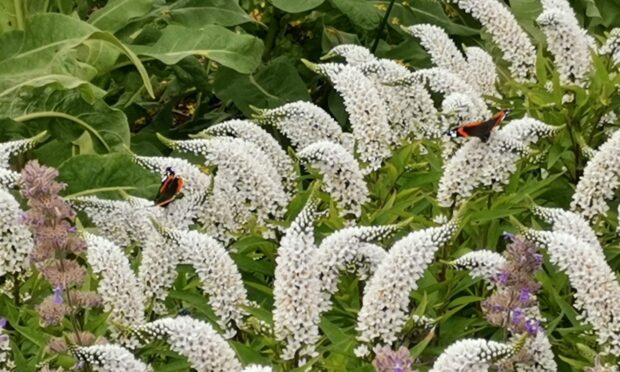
(271, 86)
(362, 13)
(116, 13)
(198, 13)
(67, 115)
(296, 6)
(9, 87)
(46, 48)
(8, 20)
(93, 174)
(236, 51)
(526, 12)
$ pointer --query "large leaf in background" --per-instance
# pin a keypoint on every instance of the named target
(296, 6)
(67, 115)
(362, 13)
(610, 11)
(430, 11)
(115, 14)
(8, 21)
(526, 12)
(111, 173)
(47, 48)
(197, 13)
(239, 52)
(271, 86)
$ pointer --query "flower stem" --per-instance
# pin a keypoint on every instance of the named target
(382, 26)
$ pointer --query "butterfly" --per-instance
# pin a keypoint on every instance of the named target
(170, 188)
(481, 129)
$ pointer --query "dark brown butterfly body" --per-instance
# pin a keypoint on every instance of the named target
(481, 129)
(169, 189)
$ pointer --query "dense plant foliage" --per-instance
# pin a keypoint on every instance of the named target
(328, 220)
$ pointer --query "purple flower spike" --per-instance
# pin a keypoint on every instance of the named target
(532, 326)
(72, 229)
(517, 316)
(58, 295)
(502, 277)
(524, 295)
(2, 322)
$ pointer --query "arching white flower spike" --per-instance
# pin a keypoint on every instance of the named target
(599, 181)
(457, 109)
(342, 177)
(596, 287)
(16, 241)
(488, 163)
(349, 249)
(157, 270)
(246, 183)
(564, 7)
(257, 368)
(248, 131)
(570, 223)
(109, 358)
(219, 275)
(482, 264)
(568, 44)
(8, 178)
(196, 340)
(612, 46)
(444, 53)
(481, 71)
(6, 354)
(196, 181)
(121, 221)
(411, 111)
(118, 286)
(472, 355)
(366, 109)
(516, 47)
(539, 357)
(304, 123)
(385, 305)
(297, 288)
(353, 54)
(8, 149)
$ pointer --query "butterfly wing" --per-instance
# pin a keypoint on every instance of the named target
(169, 189)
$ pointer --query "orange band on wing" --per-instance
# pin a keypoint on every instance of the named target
(180, 184)
(461, 132)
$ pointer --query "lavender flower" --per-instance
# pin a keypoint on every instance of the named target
(388, 360)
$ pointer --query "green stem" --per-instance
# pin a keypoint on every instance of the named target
(384, 21)
(16, 290)
(19, 14)
(576, 150)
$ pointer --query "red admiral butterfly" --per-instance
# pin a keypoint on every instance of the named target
(171, 186)
(481, 129)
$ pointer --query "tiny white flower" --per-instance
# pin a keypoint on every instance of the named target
(16, 241)
(472, 355)
(612, 46)
(110, 358)
(8, 149)
(354, 54)
(483, 264)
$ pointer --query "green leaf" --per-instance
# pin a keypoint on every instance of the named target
(8, 20)
(67, 115)
(296, 6)
(116, 13)
(46, 48)
(93, 174)
(271, 86)
(197, 13)
(361, 13)
(236, 51)
(430, 11)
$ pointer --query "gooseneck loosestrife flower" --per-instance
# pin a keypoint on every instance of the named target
(483, 264)
(611, 46)
(596, 286)
(599, 181)
(342, 177)
(16, 241)
(305, 123)
(110, 358)
(118, 285)
(489, 163)
(8, 149)
(472, 355)
(6, 360)
(367, 111)
(194, 339)
(385, 304)
(516, 47)
(297, 288)
(219, 275)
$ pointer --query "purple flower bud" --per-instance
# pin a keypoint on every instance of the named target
(524, 295)
(508, 236)
(58, 295)
(72, 229)
(538, 258)
(2, 322)
(532, 326)
(502, 277)
(516, 316)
